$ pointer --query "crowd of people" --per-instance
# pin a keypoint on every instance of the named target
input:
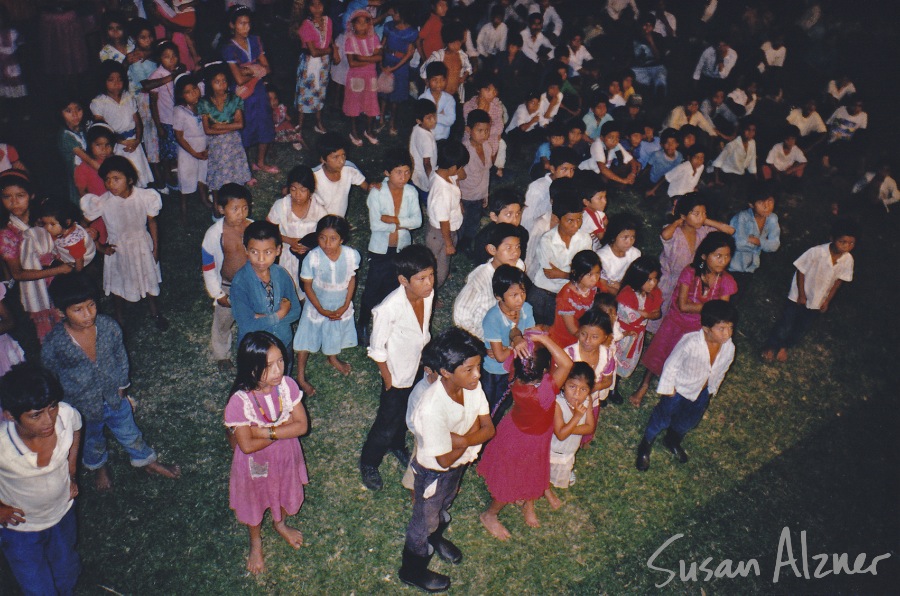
(581, 100)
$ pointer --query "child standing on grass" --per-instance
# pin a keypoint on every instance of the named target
(756, 231)
(516, 464)
(474, 187)
(444, 206)
(335, 176)
(71, 243)
(692, 374)
(451, 422)
(576, 297)
(222, 113)
(819, 273)
(131, 264)
(285, 131)
(328, 274)
(595, 346)
(88, 355)
(141, 69)
(193, 155)
(314, 68)
(265, 418)
(399, 334)
(399, 46)
(639, 302)
(422, 145)
(160, 86)
(222, 254)
(363, 50)
(573, 418)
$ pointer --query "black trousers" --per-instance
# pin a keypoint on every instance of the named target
(389, 429)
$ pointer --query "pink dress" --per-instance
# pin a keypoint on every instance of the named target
(676, 255)
(361, 92)
(272, 477)
(676, 323)
(516, 463)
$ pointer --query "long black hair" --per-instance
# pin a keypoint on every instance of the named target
(252, 359)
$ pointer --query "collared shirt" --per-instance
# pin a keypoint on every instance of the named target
(446, 115)
(778, 160)
(687, 369)
(249, 298)
(532, 45)
(523, 116)
(599, 154)
(746, 255)
(335, 196)
(422, 145)
(437, 415)
(545, 105)
(807, 124)
(476, 298)
(537, 202)
(397, 338)
(707, 65)
(737, 159)
(497, 328)
(491, 40)
(554, 252)
(660, 164)
(381, 202)
(42, 492)
(683, 179)
(444, 203)
(593, 127)
(474, 187)
(820, 274)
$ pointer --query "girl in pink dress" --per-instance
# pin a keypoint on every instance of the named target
(516, 463)
(264, 418)
(363, 51)
(705, 279)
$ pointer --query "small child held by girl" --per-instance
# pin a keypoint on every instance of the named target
(516, 463)
(328, 274)
(193, 155)
(222, 113)
(639, 302)
(72, 245)
(265, 417)
(363, 51)
(576, 297)
(573, 418)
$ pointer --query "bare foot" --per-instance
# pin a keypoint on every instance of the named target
(638, 396)
(308, 390)
(782, 355)
(768, 355)
(554, 501)
(493, 525)
(255, 563)
(341, 366)
(102, 479)
(165, 470)
(292, 536)
(530, 516)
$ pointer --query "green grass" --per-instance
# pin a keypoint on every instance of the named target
(808, 444)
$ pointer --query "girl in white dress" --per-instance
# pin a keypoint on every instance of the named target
(131, 264)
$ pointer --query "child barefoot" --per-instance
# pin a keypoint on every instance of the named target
(328, 274)
(516, 464)
(265, 417)
(573, 417)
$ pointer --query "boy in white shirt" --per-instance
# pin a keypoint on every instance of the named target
(685, 177)
(691, 375)
(785, 160)
(609, 159)
(423, 146)
(399, 333)
(551, 99)
(492, 37)
(562, 164)
(739, 156)
(820, 272)
(535, 45)
(809, 122)
(335, 176)
(444, 206)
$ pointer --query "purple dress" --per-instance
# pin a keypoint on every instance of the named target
(273, 477)
(676, 255)
(676, 323)
(258, 125)
(397, 41)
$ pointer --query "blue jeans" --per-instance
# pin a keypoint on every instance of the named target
(428, 513)
(495, 387)
(676, 413)
(120, 420)
(44, 562)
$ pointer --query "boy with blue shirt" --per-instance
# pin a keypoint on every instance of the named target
(436, 77)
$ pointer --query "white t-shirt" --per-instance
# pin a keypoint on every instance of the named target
(422, 145)
(808, 124)
(553, 252)
(613, 267)
(599, 154)
(437, 415)
(819, 274)
(843, 125)
(683, 179)
(444, 203)
(335, 196)
(780, 161)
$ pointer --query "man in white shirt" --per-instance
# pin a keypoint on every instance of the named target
(692, 374)
(715, 62)
(492, 37)
(535, 44)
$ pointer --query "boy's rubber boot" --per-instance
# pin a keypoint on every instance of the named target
(643, 455)
(443, 547)
(672, 441)
(415, 572)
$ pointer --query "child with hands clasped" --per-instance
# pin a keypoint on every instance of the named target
(328, 274)
(573, 418)
(222, 113)
(595, 347)
(265, 417)
(193, 155)
(516, 464)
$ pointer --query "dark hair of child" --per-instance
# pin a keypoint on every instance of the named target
(396, 158)
(746, 123)
(435, 69)
(583, 372)
(453, 346)
(790, 131)
(422, 108)
(529, 370)
(302, 175)
(497, 12)
(759, 192)
(336, 223)
(610, 127)
(605, 302)
(634, 127)
(452, 31)
(253, 359)
(555, 129)
(588, 183)
(639, 272)
(567, 203)
(99, 131)
(262, 230)
(14, 177)
(163, 45)
(211, 71)
(532, 94)
(583, 263)
(238, 10)
(553, 80)
(619, 223)
(562, 187)
(137, 25)
(596, 317)
(844, 227)
(430, 357)
(482, 79)
(717, 311)
(713, 242)
(477, 117)
(561, 155)
(110, 17)
(273, 88)
(669, 133)
(505, 277)
(503, 197)
(514, 39)
(107, 69)
(451, 153)
(576, 123)
(117, 163)
(694, 150)
(502, 231)
(413, 259)
(329, 143)
(181, 82)
(535, 17)
(63, 102)
(232, 191)
(73, 288)
(686, 203)
(26, 387)
(65, 212)
(600, 98)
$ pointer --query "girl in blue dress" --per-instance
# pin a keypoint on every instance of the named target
(399, 45)
(328, 275)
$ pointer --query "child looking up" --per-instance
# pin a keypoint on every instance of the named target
(486, 98)
(265, 418)
(38, 485)
(193, 155)
(756, 230)
(223, 120)
(474, 187)
(684, 178)
(525, 123)
(516, 464)
(819, 273)
(572, 419)
(430, 39)
(576, 297)
(141, 69)
(436, 79)
(223, 255)
(597, 116)
(619, 251)
(610, 159)
(118, 47)
(563, 162)
(131, 260)
(335, 176)
(88, 355)
(422, 145)
(363, 50)
(639, 303)
(660, 163)
(100, 142)
(504, 206)
(399, 334)
(328, 274)
(71, 243)
(160, 86)
(444, 206)
(739, 156)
